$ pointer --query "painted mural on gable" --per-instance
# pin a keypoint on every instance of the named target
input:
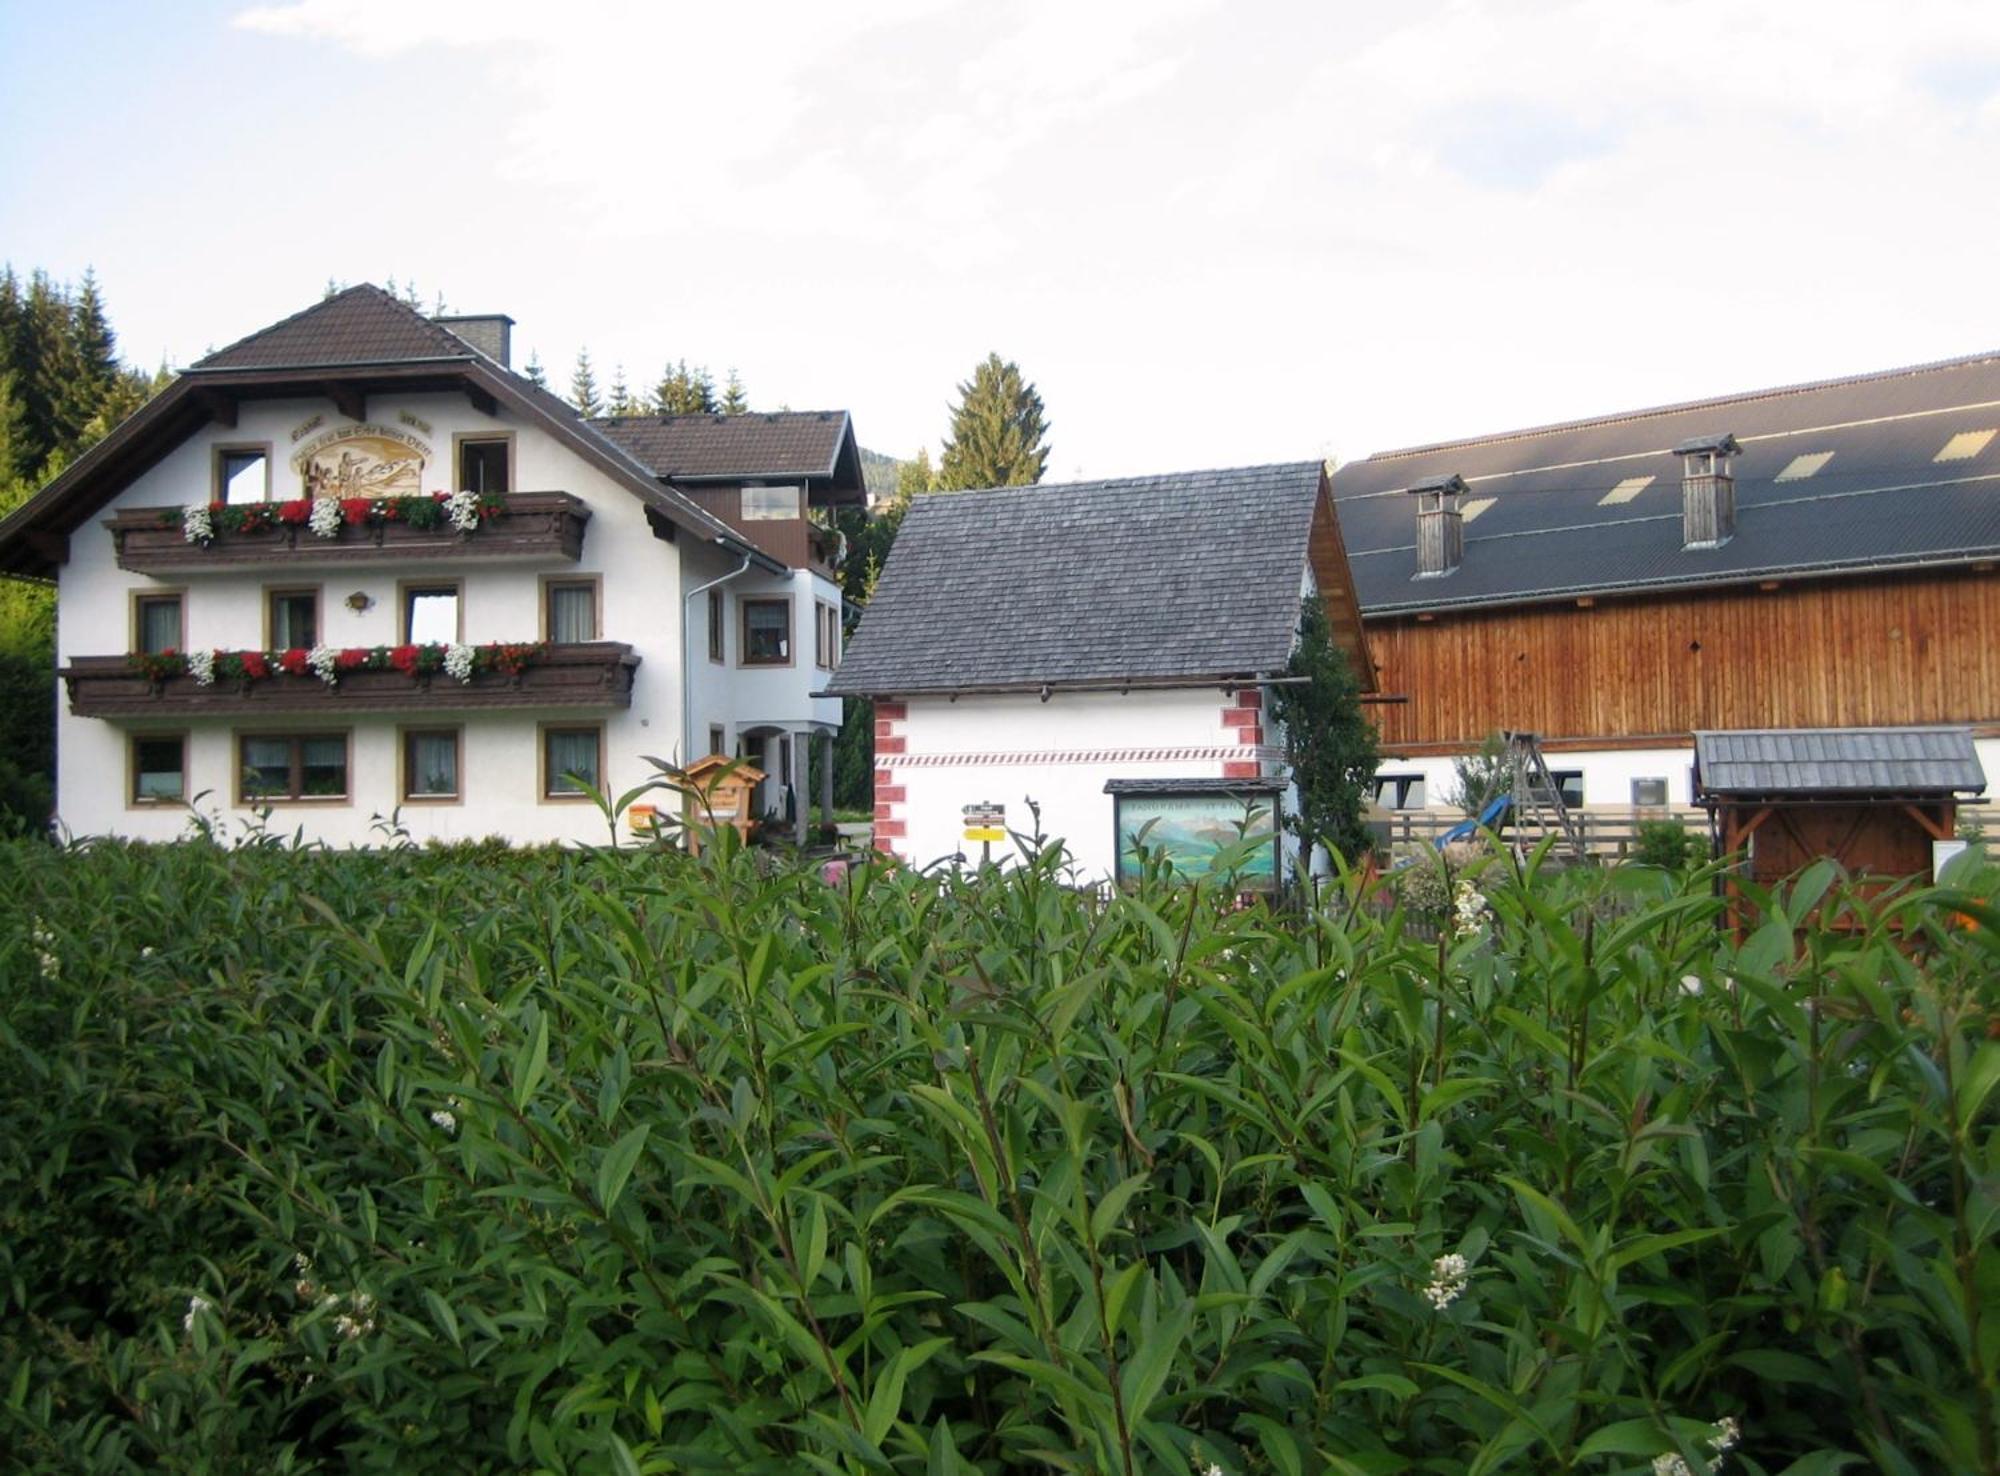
(362, 461)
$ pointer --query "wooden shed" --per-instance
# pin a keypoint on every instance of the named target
(1873, 799)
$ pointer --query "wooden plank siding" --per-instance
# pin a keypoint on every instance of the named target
(1889, 650)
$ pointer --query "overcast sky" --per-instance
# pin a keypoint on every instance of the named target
(1212, 234)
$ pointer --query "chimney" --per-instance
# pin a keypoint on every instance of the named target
(491, 333)
(1440, 526)
(1708, 491)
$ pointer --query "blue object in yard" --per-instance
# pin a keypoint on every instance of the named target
(1495, 808)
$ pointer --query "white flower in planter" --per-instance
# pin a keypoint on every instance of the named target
(325, 517)
(196, 525)
(325, 663)
(201, 666)
(461, 510)
(458, 658)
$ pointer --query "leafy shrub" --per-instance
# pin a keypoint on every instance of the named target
(1669, 845)
(431, 1160)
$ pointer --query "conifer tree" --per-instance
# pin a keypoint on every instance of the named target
(583, 386)
(684, 391)
(915, 475)
(536, 375)
(998, 436)
(621, 402)
(735, 400)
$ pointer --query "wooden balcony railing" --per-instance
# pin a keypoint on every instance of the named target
(531, 527)
(597, 674)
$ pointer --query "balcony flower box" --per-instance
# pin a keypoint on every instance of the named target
(420, 679)
(537, 527)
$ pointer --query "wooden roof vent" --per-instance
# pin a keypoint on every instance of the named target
(1708, 490)
(1440, 526)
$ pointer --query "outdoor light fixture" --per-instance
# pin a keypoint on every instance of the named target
(359, 601)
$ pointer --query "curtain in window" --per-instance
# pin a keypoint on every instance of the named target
(572, 613)
(323, 766)
(267, 766)
(293, 622)
(571, 751)
(160, 625)
(433, 764)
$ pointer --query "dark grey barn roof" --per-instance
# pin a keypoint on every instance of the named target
(1776, 762)
(1881, 500)
(1162, 578)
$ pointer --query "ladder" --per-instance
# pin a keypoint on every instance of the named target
(1538, 808)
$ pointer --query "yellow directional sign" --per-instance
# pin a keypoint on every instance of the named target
(984, 833)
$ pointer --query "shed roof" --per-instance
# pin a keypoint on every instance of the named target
(817, 445)
(1839, 476)
(1807, 762)
(1142, 580)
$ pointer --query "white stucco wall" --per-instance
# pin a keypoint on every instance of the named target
(1012, 748)
(1607, 774)
(641, 578)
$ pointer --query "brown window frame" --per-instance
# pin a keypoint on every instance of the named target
(160, 596)
(718, 626)
(718, 739)
(746, 603)
(826, 635)
(406, 588)
(218, 489)
(542, 775)
(405, 768)
(298, 740)
(462, 439)
(275, 592)
(592, 582)
(133, 799)
(798, 511)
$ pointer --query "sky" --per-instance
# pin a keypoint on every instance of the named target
(1211, 234)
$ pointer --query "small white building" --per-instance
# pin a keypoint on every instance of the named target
(352, 567)
(1099, 651)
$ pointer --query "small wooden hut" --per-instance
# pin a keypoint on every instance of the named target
(1873, 799)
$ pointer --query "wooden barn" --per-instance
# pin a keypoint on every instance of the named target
(1816, 556)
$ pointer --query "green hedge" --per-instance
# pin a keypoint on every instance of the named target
(463, 1160)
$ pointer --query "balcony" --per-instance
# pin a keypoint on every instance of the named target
(597, 674)
(530, 527)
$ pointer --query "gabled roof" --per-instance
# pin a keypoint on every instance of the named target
(1837, 476)
(360, 325)
(1163, 579)
(361, 339)
(1831, 762)
(813, 444)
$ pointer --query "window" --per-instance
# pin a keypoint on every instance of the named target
(159, 622)
(1569, 783)
(718, 621)
(303, 767)
(569, 610)
(826, 634)
(1400, 791)
(430, 764)
(430, 614)
(1649, 792)
(767, 633)
(715, 738)
(763, 504)
(571, 751)
(291, 618)
(486, 464)
(242, 474)
(159, 768)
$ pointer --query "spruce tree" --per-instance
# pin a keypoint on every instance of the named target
(684, 391)
(583, 386)
(735, 400)
(621, 402)
(998, 436)
(1329, 742)
(534, 371)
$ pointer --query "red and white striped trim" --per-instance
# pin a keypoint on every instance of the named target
(890, 741)
(1029, 756)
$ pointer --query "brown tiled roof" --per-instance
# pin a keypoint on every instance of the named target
(361, 325)
(794, 443)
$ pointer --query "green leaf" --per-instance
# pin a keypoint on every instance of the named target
(622, 1459)
(1627, 1437)
(1151, 1361)
(617, 1165)
(1112, 1206)
(531, 1062)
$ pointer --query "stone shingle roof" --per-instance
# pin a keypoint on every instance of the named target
(1844, 475)
(797, 443)
(1836, 761)
(1162, 578)
(360, 325)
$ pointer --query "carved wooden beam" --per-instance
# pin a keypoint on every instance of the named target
(348, 400)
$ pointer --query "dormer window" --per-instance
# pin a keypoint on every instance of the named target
(769, 504)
